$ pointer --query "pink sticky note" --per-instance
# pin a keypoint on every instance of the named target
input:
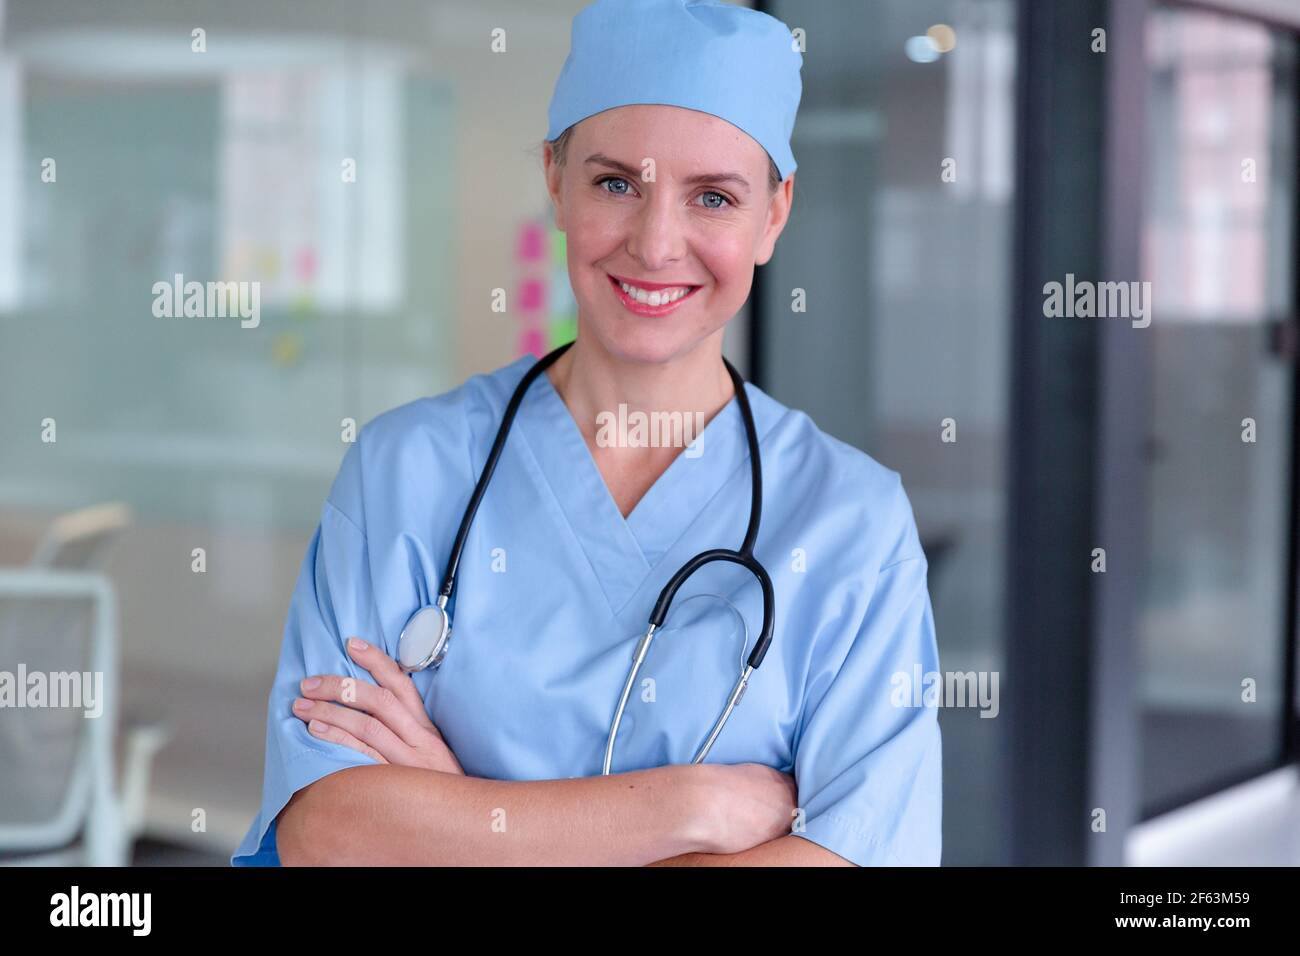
(532, 295)
(306, 263)
(532, 242)
(530, 341)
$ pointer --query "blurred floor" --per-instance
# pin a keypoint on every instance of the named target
(155, 853)
(214, 763)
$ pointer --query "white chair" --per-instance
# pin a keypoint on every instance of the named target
(76, 541)
(58, 801)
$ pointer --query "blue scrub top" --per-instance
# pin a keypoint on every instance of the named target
(555, 587)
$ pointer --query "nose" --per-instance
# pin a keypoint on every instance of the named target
(658, 235)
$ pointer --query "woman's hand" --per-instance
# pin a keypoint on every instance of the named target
(387, 723)
(745, 805)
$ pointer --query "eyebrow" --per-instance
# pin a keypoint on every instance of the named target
(735, 179)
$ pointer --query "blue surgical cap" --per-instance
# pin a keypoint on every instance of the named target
(730, 61)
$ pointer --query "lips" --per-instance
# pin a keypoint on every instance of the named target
(642, 297)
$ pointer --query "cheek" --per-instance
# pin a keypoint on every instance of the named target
(593, 232)
(729, 258)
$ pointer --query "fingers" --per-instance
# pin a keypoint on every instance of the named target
(337, 735)
(366, 729)
(366, 701)
(389, 675)
(388, 719)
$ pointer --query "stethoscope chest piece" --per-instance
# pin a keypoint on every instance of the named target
(424, 640)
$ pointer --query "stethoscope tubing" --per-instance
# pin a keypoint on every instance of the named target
(743, 557)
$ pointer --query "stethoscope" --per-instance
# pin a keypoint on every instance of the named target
(424, 641)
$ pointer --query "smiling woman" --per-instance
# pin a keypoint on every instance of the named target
(680, 217)
(669, 168)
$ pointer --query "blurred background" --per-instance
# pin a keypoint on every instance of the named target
(954, 156)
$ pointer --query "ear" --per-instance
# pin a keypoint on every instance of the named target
(778, 214)
(554, 174)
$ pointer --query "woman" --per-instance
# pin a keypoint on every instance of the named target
(669, 167)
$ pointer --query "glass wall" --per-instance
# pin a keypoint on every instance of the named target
(899, 243)
(375, 169)
(1220, 253)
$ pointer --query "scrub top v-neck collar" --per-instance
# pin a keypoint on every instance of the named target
(624, 551)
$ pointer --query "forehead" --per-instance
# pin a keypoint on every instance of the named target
(670, 135)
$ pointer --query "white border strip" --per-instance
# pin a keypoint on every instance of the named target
(1256, 823)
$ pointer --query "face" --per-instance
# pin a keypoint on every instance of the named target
(673, 203)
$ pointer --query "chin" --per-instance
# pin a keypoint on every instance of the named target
(644, 343)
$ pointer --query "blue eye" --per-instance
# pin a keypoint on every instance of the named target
(603, 183)
(709, 204)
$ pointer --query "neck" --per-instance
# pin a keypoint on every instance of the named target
(591, 381)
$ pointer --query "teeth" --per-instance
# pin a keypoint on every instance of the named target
(657, 297)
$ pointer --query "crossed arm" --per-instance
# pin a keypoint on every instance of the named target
(690, 815)
(783, 851)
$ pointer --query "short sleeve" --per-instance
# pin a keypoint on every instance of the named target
(332, 601)
(868, 765)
